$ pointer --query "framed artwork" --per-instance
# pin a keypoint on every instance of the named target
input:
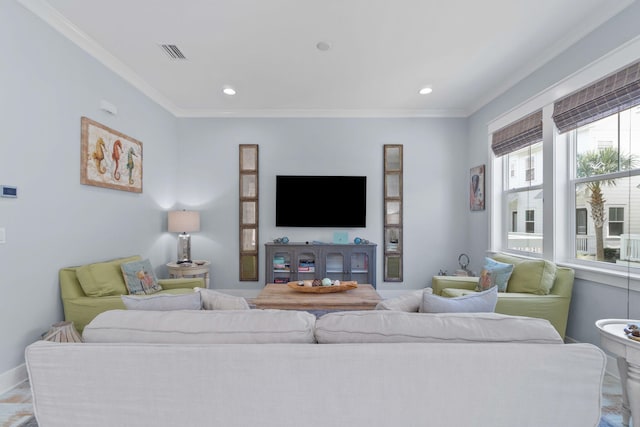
(476, 188)
(109, 158)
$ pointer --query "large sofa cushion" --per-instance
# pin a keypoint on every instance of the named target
(163, 302)
(382, 326)
(202, 326)
(478, 302)
(532, 276)
(103, 278)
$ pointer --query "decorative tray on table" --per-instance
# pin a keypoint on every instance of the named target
(316, 287)
(633, 331)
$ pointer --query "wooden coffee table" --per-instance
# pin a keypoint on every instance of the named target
(281, 296)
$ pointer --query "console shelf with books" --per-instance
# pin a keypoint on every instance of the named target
(289, 262)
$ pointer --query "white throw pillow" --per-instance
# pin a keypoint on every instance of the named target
(409, 302)
(213, 300)
(388, 326)
(479, 302)
(163, 302)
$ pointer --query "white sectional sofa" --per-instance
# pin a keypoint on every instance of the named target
(285, 368)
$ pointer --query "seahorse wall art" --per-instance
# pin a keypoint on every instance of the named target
(115, 156)
(130, 165)
(98, 155)
(102, 150)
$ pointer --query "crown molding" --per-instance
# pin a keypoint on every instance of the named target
(318, 113)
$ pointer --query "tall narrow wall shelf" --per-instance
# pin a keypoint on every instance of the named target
(290, 262)
(393, 213)
(248, 212)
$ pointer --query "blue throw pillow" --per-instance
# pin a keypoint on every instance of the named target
(494, 273)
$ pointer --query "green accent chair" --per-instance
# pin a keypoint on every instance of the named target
(553, 306)
(105, 283)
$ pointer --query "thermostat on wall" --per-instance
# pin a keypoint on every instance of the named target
(8, 191)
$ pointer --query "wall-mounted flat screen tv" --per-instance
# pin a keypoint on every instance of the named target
(321, 201)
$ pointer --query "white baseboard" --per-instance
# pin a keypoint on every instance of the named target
(12, 378)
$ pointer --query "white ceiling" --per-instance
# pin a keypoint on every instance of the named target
(382, 51)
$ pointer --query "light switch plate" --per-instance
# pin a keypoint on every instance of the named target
(8, 191)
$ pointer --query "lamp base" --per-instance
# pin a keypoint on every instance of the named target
(184, 248)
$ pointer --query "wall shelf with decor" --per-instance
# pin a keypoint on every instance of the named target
(290, 262)
(393, 213)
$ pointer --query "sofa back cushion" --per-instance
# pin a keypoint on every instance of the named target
(530, 276)
(382, 326)
(103, 278)
(202, 327)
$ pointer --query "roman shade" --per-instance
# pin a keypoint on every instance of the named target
(517, 135)
(607, 96)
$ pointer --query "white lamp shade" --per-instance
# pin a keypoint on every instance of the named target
(184, 221)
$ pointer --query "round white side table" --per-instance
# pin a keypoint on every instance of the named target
(196, 268)
(614, 339)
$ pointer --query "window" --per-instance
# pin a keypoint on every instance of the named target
(593, 184)
(616, 221)
(529, 221)
(605, 183)
(581, 221)
(530, 173)
(524, 194)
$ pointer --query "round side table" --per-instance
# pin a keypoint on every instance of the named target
(196, 268)
(614, 339)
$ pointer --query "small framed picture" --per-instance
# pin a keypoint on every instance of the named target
(476, 188)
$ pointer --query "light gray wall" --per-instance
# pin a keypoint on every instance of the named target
(435, 185)
(46, 85)
(591, 301)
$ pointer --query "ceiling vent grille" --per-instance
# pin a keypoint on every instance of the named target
(173, 51)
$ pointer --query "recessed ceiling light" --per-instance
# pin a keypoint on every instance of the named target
(323, 46)
(228, 90)
(425, 91)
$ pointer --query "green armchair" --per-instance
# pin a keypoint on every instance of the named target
(80, 308)
(553, 306)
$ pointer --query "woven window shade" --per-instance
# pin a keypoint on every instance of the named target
(614, 93)
(517, 135)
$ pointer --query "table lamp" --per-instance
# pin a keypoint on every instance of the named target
(184, 222)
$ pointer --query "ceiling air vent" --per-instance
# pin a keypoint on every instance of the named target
(173, 51)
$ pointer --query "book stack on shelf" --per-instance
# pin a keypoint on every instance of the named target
(280, 264)
(307, 266)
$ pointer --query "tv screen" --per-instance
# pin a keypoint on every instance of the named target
(321, 201)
